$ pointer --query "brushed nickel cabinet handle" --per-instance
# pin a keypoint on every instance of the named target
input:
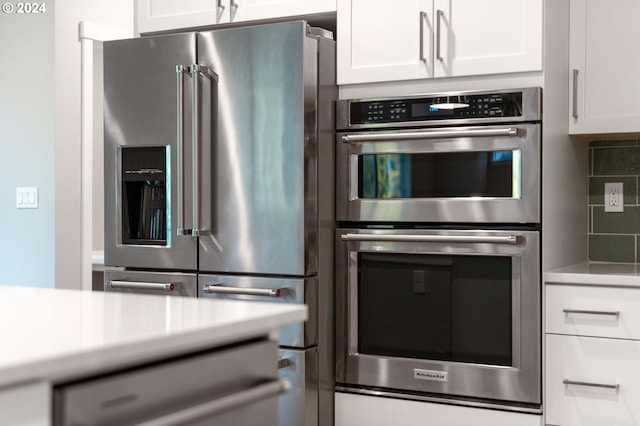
(591, 385)
(220, 5)
(575, 93)
(439, 15)
(423, 17)
(588, 312)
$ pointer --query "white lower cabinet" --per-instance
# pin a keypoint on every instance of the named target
(363, 410)
(592, 381)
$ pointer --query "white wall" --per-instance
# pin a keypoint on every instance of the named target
(27, 96)
(68, 236)
(40, 65)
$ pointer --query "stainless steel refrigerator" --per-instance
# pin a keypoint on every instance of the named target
(219, 181)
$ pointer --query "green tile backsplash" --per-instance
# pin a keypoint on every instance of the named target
(614, 236)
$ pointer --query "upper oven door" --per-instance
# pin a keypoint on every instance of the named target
(488, 174)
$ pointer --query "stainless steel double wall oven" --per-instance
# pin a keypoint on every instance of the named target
(438, 248)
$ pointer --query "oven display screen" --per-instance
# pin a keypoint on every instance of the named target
(436, 108)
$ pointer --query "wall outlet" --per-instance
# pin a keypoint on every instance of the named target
(613, 197)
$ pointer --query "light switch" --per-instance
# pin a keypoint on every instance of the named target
(27, 197)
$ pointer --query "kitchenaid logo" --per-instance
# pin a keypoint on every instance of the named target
(438, 376)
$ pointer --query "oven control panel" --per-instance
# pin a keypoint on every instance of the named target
(445, 107)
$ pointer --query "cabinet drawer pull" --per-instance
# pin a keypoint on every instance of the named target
(586, 312)
(591, 385)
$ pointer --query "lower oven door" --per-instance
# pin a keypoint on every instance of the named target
(452, 313)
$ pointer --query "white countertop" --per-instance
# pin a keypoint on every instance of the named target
(54, 335)
(596, 274)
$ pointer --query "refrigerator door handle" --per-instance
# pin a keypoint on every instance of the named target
(136, 285)
(180, 70)
(262, 292)
(196, 71)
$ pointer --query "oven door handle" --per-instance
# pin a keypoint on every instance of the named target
(476, 239)
(434, 134)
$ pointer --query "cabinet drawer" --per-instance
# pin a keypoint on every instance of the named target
(610, 372)
(593, 311)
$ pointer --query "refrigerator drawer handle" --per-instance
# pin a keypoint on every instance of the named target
(476, 239)
(136, 285)
(221, 289)
(221, 405)
(436, 134)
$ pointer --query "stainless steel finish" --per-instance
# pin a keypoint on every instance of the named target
(180, 70)
(575, 94)
(170, 392)
(133, 285)
(220, 5)
(439, 15)
(524, 208)
(531, 111)
(234, 4)
(423, 17)
(444, 238)
(260, 292)
(196, 145)
(519, 383)
(587, 312)
(221, 405)
(431, 134)
(292, 290)
(151, 282)
(300, 367)
(266, 158)
(128, 122)
(567, 382)
(443, 399)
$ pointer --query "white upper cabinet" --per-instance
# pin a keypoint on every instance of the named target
(380, 40)
(166, 15)
(248, 10)
(604, 67)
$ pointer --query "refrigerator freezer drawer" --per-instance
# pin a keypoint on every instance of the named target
(233, 385)
(164, 284)
(299, 406)
(276, 290)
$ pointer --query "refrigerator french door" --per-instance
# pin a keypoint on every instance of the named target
(219, 162)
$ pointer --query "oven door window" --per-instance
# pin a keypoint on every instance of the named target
(436, 307)
(440, 175)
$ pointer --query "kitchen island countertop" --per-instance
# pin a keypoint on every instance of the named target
(51, 335)
(601, 274)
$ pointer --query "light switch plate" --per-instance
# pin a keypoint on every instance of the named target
(27, 197)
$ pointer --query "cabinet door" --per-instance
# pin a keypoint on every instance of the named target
(246, 10)
(605, 64)
(592, 381)
(163, 15)
(381, 40)
(476, 37)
